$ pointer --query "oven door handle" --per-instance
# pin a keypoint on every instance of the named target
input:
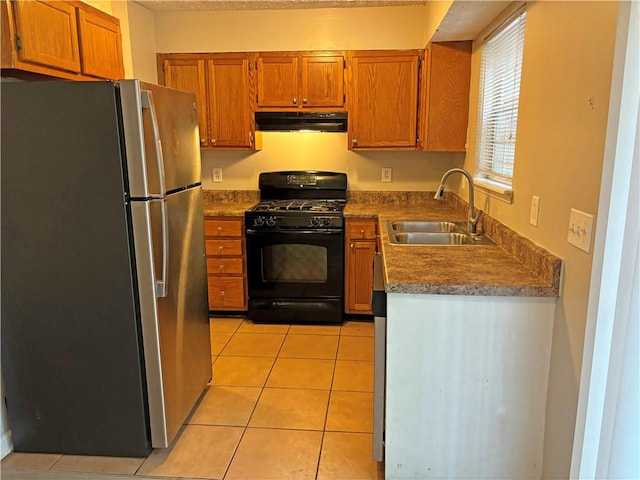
(250, 231)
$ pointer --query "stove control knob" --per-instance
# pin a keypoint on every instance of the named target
(271, 221)
(326, 221)
(258, 222)
(315, 221)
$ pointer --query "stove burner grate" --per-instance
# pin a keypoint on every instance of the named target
(300, 206)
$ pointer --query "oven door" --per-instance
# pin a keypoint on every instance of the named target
(290, 263)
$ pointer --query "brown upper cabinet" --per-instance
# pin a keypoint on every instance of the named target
(60, 39)
(100, 45)
(222, 84)
(444, 98)
(383, 99)
(300, 80)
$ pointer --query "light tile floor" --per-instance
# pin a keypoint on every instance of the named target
(285, 402)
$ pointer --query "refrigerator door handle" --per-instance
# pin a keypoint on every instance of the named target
(146, 98)
(161, 285)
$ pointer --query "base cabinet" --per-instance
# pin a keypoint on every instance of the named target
(360, 249)
(466, 382)
(226, 263)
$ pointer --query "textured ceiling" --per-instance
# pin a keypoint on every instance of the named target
(466, 19)
(202, 5)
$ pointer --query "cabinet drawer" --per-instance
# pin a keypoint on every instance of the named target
(225, 266)
(219, 247)
(361, 229)
(222, 228)
(226, 293)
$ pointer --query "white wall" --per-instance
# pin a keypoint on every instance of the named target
(6, 445)
(278, 30)
(606, 441)
(284, 151)
(143, 43)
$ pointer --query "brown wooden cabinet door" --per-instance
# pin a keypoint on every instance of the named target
(445, 97)
(359, 262)
(100, 46)
(48, 33)
(359, 252)
(322, 81)
(188, 74)
(229, 109)
(278, 81)
(383, 101)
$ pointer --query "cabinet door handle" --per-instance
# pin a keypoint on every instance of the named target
(203, 141)
(362, 232)
(354, 142)
(351, 245)
(295, 100)
(304, 100)
(213, 141)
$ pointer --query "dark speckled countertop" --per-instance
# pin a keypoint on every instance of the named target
(514, 267)
(232, 203)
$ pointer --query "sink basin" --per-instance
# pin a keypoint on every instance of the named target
(423, 238)
(429, 227)
(432, 233)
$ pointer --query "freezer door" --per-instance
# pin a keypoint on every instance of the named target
(161, 138)
(175, 320)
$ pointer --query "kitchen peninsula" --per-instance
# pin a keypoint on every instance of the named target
(468, 343)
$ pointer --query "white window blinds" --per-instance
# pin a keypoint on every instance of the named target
(500, 91)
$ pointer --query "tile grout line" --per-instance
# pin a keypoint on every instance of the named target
(255, 405)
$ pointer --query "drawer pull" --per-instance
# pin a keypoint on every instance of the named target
(219, 229)
(220, 267)
(220, 248)
(362, 232)
(223, 293)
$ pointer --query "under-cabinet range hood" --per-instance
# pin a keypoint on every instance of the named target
(301, 121)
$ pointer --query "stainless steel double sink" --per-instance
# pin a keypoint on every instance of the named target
(416, 232)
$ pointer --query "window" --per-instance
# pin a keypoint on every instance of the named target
(499, 94)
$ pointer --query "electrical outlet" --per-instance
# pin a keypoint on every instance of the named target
(386, 174)
(217, 175)
(580, 227)
(535, 210)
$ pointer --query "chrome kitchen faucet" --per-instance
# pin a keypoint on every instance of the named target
(472, 221)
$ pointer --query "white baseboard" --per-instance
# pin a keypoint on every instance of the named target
(6, 444)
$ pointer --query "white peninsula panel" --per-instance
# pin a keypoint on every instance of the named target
(466, 386)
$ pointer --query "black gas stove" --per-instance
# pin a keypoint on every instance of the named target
(297, 199)
(295, 248)
(316, 213)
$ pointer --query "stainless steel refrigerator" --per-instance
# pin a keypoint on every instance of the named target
(104, 321)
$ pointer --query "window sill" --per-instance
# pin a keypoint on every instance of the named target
(494, 189)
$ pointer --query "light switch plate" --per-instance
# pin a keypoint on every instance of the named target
(580, 229)
(386, 174)
(217, 175)
(535, 210)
